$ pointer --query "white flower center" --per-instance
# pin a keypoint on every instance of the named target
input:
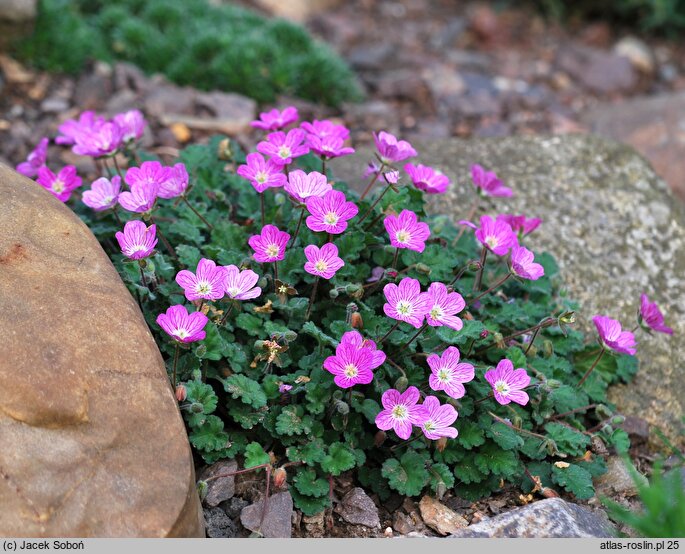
(331, 218)
(233, 292)
(492, 242)
(261, 177)
(351, 371)
(429, 425)
(180, 333)
(444, 375)
(203, 287)
(107, 200)
(136, 248)
(321, 265)
(272, 250)
(502, 387)
(436, 313)
(58, 185)
(400, 411)
(284, 152)
(403, 236)
(404, 307)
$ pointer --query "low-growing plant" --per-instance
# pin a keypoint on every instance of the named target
(315, 331)
(193, 42)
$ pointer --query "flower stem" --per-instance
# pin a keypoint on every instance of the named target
(323, 165)
(493, 287)
(372, 182)
(544, 323)
(373, 221)
(142, 275)
(479, 275)
(226, 314)
(311, 298)
(275, 272)
(520, 430)
(198, 214)
(461, 272)
(375, 203)
(416, 335)
(173, 378)
(532, 340)
(297, 229)
(469, 217)
(116, 166)
(594, 364)
(261, 203)
(380, 341)
(394, 260)
(392, 448)
(116, 216)
(165, 242)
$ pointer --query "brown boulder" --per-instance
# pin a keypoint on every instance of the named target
(93, 444)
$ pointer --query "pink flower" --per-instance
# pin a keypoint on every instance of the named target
(392, 150)
(522, 264)
(495, 235)
(182, 326)
(269, 245)
(176, 183)
(102, 140)
(508, 383)
(61, 185)
(324, 129)
(137, 241)
(354, 361)
(488, 182)
(149, 173)
(355, 339)
(132, 125)
(240, 285)
(274, 120)
(652, 316)
(207, 283)
(389, 176)
(35, 160)
(520, 224)
(447, 374)
(324, 261)
(406, 302)
(401, 412)
(282, 148)
(141, 198)
(439, 420)
(283, 388)
(103, 194)
(444, 307)
(87, 122)
(302, 185)
(406, 231)
(427, 179)
(328, 147)
(613, 337)
(330, 212)
(262, 174)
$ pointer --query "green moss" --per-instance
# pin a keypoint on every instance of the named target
(192, 43)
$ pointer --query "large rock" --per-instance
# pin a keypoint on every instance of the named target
(614, 228)
(93, 443)
(16, 19)
(550, 518)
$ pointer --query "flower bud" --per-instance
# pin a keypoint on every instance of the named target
(201, 350)
(423, 269)
(356, 321)
(499, 340)
(181, 393)
(553, 383)
(197, 408)
(342, 407)
(484, 334)
(390, 249)
(402, 383)
(379, 438)
(353, 289)
(567, 318)
(603, 411)
(333, 293)
(338, 394)
(263, 283)
(441, 444)
(617, 420)
(280, 198)
(547, 348)
(142, 263)
(202, 489)
(290, 336)
(391, 274)
(220, 195)
(475, 265)
(532, 350)
(280, 477)
(224, 151)
(259, 344)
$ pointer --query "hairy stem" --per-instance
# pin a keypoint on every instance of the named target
(592, 367)
(479, 275)
(493, 287)
(372, 182)
(198, 214)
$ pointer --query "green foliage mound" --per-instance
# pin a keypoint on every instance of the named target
(193, 43)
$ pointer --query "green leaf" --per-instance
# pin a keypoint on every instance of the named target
(292, 421)
(210, 435)
(574, 479)
(309, 505)
(471, 330)
(339, 458)
(255, 455)
(620, 441)
(441, 478)
(505, 436)
(466, 471)
(311, 453)
(189, 256)
(311, 329)
(470, 434)
(252, 324)
(308, 483)
(491, 458)
(367, 407)
(408, 475)
(249, 391)
(567, 440)
(516, 356)
(200, 392)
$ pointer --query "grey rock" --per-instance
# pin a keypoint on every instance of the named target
(277, 523)
(219, 525)
(550, 518)
(402, 523)
(357, 508)
(221, 488)
(614, 228)
(230, 109)
(54, 105)
(600, 71)
(18, 11)
(637, 52)
(164, 98)
(617, 480)
(233, 506)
